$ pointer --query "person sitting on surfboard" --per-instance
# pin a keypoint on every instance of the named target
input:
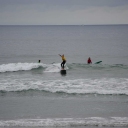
(89, 61)
(63, 60)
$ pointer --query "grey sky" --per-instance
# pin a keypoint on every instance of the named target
(63, 12)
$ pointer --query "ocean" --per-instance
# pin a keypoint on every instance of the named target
(34, 95)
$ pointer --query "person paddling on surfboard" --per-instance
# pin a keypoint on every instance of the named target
(89, 61)
(63, 60)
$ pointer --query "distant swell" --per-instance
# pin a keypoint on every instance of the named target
(64, 122)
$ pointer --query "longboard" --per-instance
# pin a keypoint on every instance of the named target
(63, 71)
(98, 62)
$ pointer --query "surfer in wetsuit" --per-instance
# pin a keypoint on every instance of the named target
(63, 60)
(89, 61)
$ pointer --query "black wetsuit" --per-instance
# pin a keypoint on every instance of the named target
(63, 63)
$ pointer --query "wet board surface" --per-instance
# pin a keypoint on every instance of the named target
(98, 62)
(63, 71)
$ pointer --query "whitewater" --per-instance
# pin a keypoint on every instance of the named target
(68, 122)
(104, 86)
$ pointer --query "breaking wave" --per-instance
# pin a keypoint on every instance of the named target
(13, 67)
(55, 67)
(104, 86)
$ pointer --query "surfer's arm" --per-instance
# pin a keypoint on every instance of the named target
(60, 55)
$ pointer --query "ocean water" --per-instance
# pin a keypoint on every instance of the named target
(36, 95)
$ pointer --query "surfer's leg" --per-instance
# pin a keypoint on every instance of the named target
(62, 64)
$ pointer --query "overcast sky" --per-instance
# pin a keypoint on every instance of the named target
(63, 12)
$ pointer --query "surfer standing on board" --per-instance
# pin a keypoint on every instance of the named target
(63, 60)
(89, 61)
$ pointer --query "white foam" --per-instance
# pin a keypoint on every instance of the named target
(59, 122)
(11, 67)
(54, 67)
(78, 86)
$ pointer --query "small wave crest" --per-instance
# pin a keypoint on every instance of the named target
(12, 67)
(64, 122)
(55, 67)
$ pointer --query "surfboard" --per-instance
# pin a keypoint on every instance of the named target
(98, 62)
(63, 71)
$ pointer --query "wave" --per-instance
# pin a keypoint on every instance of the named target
(55, 67)
(67, 122)
(97, 66)
(13, 67)
(103, 86)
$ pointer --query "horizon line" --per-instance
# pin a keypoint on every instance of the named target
(56, 24)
